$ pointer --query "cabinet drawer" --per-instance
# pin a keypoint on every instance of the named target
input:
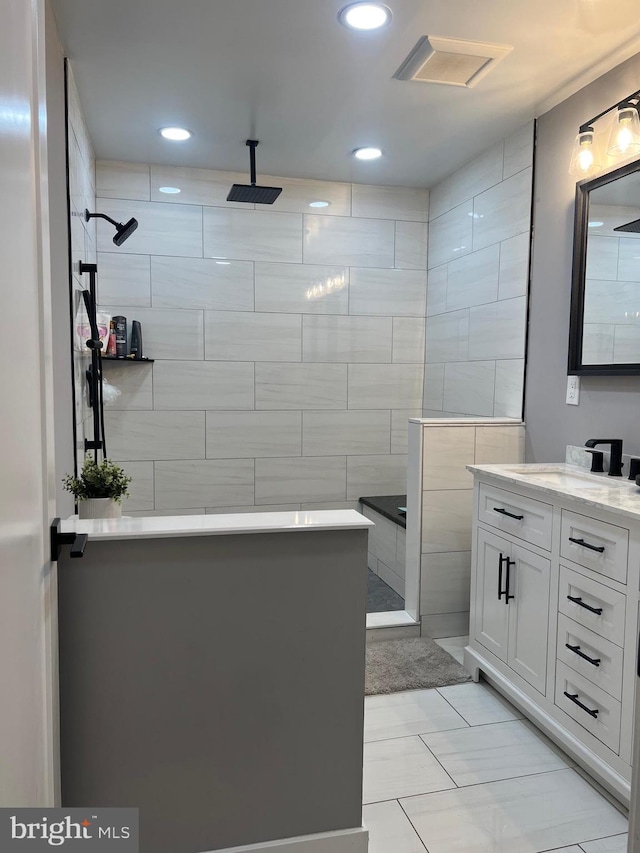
(604, 666)
(593, 596)
(605, 725)
(533, 519)
(595, 544)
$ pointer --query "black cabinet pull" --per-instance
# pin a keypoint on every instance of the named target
(576, 650)
(576, 701)
(597, 610)
(504, 591)
(598, 548)
(506, 512)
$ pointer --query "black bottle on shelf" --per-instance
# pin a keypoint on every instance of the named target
(121, 336)
(136, 340)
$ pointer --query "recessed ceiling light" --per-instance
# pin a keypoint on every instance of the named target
(595, 224)
(169, 190)
(367, 153)
(319, 203)
(175, 134)
(365, 16)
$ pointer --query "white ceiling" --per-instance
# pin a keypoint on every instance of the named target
(286, 72)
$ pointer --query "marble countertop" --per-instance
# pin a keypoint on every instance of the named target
(614, 494)
(158, 527)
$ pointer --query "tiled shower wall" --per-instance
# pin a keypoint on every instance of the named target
(288, 340)
(82, 195)
(479, 234)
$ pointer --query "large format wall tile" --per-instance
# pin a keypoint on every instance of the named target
(400, 427)
(163, 229)
(473, 280)
(409, 203)
(301, 386)
(353, 242)
(447, 452)
(234, 435)
(202, 283)
(348, 432)
(367, 475)
(448, 337)
(302, 288)
(477, 176)
(509, 388)
(518, 150)
(252, 235)
(248, 336)
(346, 339)
(200, 483)
(412, 239)
(498, 330)
(602, 258)
(597, 343)
(514, 266)
(197, 186)
(140, 488)
(408, 339)
(445, 582)
(469, 387)
(626, 344)
(446, 521)
(450, 235)
(167, 334)
(135, 383)
(387, 292)
(389, 386)
(154, 435)
(199, 385)
(503, 211)
(433, 386)
(628, 261)
(303, 479)
(298, 193)
(124, 280)
(437, 289)
(122, 180)
(496, 444)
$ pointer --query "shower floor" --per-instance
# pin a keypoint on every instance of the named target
(380, 597)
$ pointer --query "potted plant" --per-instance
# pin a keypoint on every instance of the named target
(99, 489)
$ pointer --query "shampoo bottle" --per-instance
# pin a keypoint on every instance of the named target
(121, 336)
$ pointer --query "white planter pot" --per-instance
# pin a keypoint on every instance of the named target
(99, 508)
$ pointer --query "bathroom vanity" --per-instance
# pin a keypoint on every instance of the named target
(555, 588)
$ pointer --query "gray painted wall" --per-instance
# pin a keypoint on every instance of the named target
(217, 684)
(609, 406)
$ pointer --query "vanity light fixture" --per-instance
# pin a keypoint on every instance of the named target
(624, 138)
(175, 134)
(169, 190)
(365, 16)
(367, 153)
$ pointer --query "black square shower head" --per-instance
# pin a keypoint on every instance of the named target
(252, 194)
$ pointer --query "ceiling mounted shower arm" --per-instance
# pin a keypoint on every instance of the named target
(253, 144)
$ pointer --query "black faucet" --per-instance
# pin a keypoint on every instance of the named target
(615, 463)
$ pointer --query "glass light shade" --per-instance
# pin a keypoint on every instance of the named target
(624, 139)
(585, 158)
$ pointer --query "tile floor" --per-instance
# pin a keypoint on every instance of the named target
(458, 770)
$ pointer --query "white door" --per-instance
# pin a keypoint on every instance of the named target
(529, 578)
(492, 614)
(27, 726)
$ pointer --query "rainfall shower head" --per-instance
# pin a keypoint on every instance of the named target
(250, 193)
(123, 230)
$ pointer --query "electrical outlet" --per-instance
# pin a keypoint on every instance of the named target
(573, 390)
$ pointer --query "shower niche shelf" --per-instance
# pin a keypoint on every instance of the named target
(124, 359)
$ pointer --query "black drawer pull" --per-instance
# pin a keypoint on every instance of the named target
(597, 610)
(506, 512)
(598, 548)
(574, 699)
(576, 650)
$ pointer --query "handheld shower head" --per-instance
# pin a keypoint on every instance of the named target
(123, 230)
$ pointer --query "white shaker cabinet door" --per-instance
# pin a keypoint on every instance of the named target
(529, 577)
(492, 614)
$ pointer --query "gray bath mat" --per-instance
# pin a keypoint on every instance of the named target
(395, 665)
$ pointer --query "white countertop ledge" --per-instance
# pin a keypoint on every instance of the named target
(615, 494)
(169, 526)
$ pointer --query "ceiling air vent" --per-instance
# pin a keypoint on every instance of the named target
(451, 62)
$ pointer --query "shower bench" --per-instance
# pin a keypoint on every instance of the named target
(387, 540)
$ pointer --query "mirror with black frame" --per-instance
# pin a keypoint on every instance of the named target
(604, 336)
